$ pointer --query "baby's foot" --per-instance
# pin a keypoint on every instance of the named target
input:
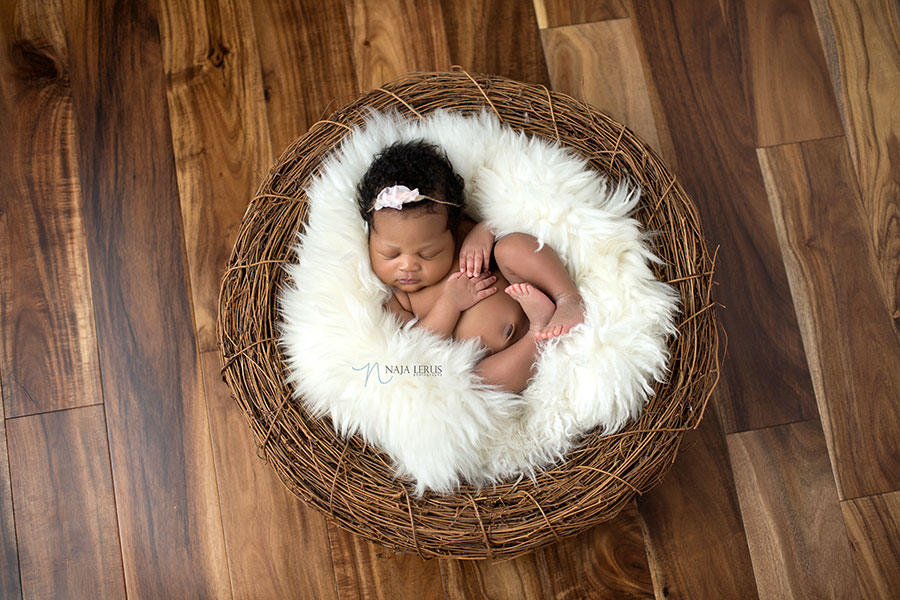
(537, 306)
(569, 313)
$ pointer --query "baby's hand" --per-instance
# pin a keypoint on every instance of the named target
(464, 291)
(475, 252)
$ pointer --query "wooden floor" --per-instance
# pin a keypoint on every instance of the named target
(134, 134)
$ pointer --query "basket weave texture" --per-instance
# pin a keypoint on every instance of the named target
(352, 482)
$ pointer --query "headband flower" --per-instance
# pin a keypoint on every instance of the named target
(395, 197)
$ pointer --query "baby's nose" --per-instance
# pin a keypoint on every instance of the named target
(410, 264)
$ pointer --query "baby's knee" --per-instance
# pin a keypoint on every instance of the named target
(513, 246)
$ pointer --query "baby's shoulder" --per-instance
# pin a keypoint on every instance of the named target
(402, 298)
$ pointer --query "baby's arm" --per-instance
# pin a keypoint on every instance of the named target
(398, 309)
(512, 367)
(458, 294)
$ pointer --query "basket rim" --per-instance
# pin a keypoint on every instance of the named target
(599, 477)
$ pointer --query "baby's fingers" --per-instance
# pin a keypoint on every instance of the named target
(480, 261)
(484, 282)
(471, 259)
(481, 295)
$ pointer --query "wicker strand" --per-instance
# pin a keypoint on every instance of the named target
(228, 359)
(401, 101)
(487, 542)
(483, 93)
(552, 114)
(543, 514)
(412, 522)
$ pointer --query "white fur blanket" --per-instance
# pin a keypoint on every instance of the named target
(416, 395)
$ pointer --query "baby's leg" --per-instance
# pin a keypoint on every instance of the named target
(519, 260)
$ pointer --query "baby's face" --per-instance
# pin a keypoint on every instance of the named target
(410, 251)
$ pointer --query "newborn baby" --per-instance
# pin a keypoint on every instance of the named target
(417, 239)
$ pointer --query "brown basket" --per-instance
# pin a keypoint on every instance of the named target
(352, 482)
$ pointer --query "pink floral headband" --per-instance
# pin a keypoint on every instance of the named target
(398, 195)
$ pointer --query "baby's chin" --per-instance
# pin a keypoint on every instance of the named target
(412, 286)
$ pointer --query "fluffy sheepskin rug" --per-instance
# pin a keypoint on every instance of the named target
(414, 394)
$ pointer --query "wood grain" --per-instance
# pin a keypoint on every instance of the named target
(686, 53)
(59, 466)
(556, 13)
(503, 38)
(518, 579)
(165, 487)
(220, 136)
(608, 561)
(496, 37)
(303, 41)
(48, 347)
(10, 583)
(692, 523)
(389, 39)
(873, 524)
(784, 71)
(862, 43)
(852, 348)
(791, 513)
(599, 63)
(286, 553)
(393, 37)
(363, 570)
(319, 37)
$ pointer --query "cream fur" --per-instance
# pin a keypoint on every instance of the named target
(447, 428)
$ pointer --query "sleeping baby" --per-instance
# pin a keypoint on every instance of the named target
(412, 201)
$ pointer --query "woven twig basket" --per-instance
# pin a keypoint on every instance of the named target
(353, 483)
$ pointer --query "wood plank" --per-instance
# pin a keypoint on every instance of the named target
(797, 539)
(784, 71)
(496, 37)
(65, 510)
(389, 38)
(48, 351)
(686, 52)
(264, 560)
(303, 41)
(607, 561)
(10, 583)
(852, 347)
(219, 132)
(599, 63)
(557, 13)
(692, 523)
(393, 37)
(518, 579)
(316, 28)
(862, 43)
(502, 38)
(163, 472)
(873, 524)
(365, 571)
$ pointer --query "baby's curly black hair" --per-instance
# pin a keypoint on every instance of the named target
(415, 164)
